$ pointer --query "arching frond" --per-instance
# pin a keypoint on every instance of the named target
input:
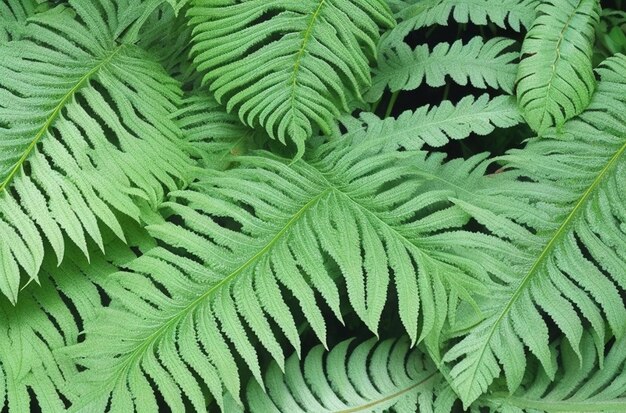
(573, 269)
(291, 67)
(237, 240)
(555, 79)
(590, 386)
(72, 104)
(483, 65)
(436, 125)
(369, 377)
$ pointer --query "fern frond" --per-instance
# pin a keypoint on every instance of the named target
(369, 377)
(299, 81)
(34, 369)
(555, 79)
(573, 269)
(418, 14)
(483, 64)
(13, 15)
(72, 104)
(167, 37)
(436, 125)
(579, 387)
(237, 239)
(215, 135)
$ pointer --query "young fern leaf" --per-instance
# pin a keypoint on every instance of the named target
(246, 234)
(68, 117)
(483, 64)
(302, 80)
(371, 377)
(555, 79)
(437, 125)
(580, 387)
(573, 264)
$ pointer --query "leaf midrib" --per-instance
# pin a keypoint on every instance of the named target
(557, 59)
(558, 234)
(372, 404)
(300, 54)
(55, 114)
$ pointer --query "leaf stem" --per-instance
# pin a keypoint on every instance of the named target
(392, 102)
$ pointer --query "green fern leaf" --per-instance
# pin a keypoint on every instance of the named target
(301, 81)
(574, 268)
(13, 15)
(34, 369)
(555, 79)
(371, 377)
(436, 125)
(215, 135)
(247, 234)
(580, 387)
(68, 117)
(483, 64)
(417, 14)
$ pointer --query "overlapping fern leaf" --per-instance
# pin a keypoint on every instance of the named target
(72, 103)
(437, 125)
(570, 229)
(215, 136)
(585, 384)
(13, 16)
(237, 240)
(555, 79)
(34, 371)
(416, 14)
(369, 377)
(291, 67)
(483, 64)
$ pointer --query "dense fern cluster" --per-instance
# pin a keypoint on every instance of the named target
(217, 205)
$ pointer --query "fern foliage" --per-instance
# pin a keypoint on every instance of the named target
(555, 79)
(413, 15)
(34, 369)
(369, 377)
(69, 115)
(593, 385)
(304, 79)
(13, 15)
(297, 221)
(481, 64)
(585, 235)
(205, 205)
(437, 125)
